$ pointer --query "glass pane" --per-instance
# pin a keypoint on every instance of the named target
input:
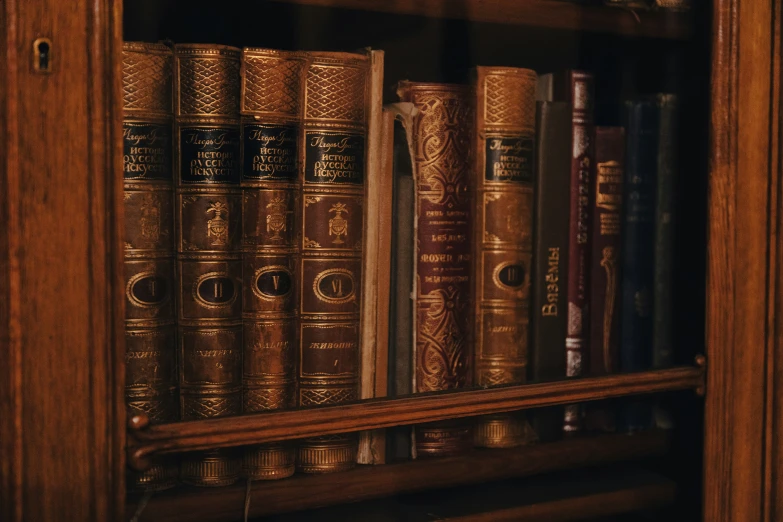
(508, 194)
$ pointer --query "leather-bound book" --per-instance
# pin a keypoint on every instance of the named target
(150, 359)
(605, 265)
(209, 205)
(502, 239)
(271, 121)
(334, 138)
(636, 323)
(443, 311)
(576, 88)
(550, 250)
(666, 189)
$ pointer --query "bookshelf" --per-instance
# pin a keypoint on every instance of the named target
(65, 445)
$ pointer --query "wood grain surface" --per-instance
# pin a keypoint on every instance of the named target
(368, 482)
(61, 360)
(737, 331)
(383, 413)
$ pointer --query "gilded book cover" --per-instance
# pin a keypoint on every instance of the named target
(443, 314)
(150, 380)
(209, 207)
(333, 153)
(502, 239)
(272, 83)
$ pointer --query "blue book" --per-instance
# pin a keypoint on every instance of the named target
(636, 317)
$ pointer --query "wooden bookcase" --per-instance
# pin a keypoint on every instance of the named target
(64, 442)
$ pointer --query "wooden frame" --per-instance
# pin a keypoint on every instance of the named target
(743, 206)
(61, 362)
(61, 308)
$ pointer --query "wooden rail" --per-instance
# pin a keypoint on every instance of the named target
(146, 440)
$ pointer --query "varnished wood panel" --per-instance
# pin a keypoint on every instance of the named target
(552, 14)
(61, 263)
(368, 482)
(384, 413)
(737, 278)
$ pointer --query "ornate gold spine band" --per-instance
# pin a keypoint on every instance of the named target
(502, 240)
(149, 245)
(209, 263)
(272, 90)
(333, 137)
(442, 144)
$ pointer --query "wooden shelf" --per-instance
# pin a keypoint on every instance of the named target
(552, 14)
(369, 482)
(146, 440)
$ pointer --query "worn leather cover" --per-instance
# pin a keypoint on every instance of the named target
(550, 269)
(443, 312)
(272, 83)
(576, 88)
(502, 239)
(606, 266)
(150, 369)
(209, 207)
(636, 326)
(334, 139)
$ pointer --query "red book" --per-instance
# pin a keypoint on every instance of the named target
(576, 88)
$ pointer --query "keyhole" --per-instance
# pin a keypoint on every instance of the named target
(42, 51)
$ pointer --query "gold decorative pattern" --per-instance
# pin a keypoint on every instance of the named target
(503, 212)
(271, 82)
(213, 468)
(146, 78)
(320, 396)
(336, 91)
(441, 341)
(263, 399)
(609, 262)
(208, 80)
(507, 98)
(443, 152)
(208, 407)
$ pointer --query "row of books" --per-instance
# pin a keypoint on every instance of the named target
(282, 252)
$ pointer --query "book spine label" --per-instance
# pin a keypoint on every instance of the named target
(663, 303)
(605, 278)
(333, 154)
(580, 87)
(150, 356)
(502, 238)
(442, 143)
(271, 180)
(209, 267)
(550, 271)
(605, 267)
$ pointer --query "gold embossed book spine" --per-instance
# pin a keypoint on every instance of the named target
(150, 357)
(443, 313)
(334, 137)
(271, 122)
(502, 241)
(209, 262)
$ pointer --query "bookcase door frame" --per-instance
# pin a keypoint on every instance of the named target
(61, 295)
(61, 298)
(743, 343)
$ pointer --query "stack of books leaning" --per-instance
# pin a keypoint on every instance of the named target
(291, 241)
